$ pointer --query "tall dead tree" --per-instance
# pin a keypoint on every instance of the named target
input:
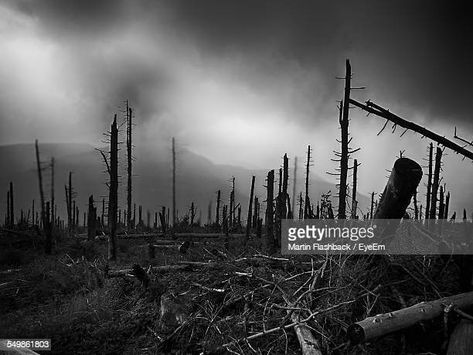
(429, 181)
(435, 183)
(441, 203)
(231, 214)
(53, 214)
(12, 209)
(343, 120)
(129, 148)
(269, 242)
(113, 191)
(45, 223)
(174, 216)
(112, 170)
(217, 209)
(250, 209)
(354, 202)
(307, 172)
(294, 188)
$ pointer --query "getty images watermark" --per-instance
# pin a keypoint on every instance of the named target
(378, 236)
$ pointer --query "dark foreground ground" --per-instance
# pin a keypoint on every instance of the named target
(238, 302)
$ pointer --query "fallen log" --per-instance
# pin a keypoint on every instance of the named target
(382, 324)
(158, 269)
(309, 345)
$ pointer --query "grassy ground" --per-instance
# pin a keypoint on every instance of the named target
(66, 297)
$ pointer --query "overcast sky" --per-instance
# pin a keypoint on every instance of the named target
(241, 82)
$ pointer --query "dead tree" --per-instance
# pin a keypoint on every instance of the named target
(343, 120)
(217, 210)
(53, 215)
(307, 202)
(269, 241)
(416, 209)
(11, 207)
(45, 223)
(174, 216)
(92, 219)
(400, 188)
(371, 107)
(112, 170)
(441, 203)
(372, 206)
(231, 212)
(250, 209)
(129, 147)
(429, 181)
(294, 187)
(354, 202)
(447, 203)
(435, 184)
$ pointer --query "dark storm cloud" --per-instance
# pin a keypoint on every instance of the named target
(410, 54)
(417, 53)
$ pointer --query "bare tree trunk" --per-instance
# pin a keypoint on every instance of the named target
(269, 240)
(45, 223)
(92, 219)
(250, 210)
(354, 202)
(53, 215)
(435, 184)
(342, 194)
(113, 191)
(129, 147)
(12, 209)
(447, 203)
(429, 181)
(174, 219)
(294, 188)
(217, 210)
(441, 203)
(307, 202)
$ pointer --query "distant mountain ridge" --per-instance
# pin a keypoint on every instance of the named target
(198, 179)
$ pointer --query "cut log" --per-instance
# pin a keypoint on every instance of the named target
(382, 324)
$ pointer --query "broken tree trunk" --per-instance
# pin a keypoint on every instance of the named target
(401, 186)
(174, 215)
(307, 202)
(45, 223)
(342, 194)
(269, 240)
(354, 202)
(92, 219)
(371, 107)
(429, 181)
(129, 166)
(250, 210)
(11, 206)
(217, 210)
(435, 184)
(113, 192)
(382, 324)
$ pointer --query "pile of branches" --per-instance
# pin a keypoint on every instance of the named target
(273, 304)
